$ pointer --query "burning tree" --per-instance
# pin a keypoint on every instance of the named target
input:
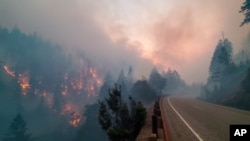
(39, 75)
(120, 121)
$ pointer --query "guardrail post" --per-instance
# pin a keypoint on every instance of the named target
(159, 122)
(154, 125)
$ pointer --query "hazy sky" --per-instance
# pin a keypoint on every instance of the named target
(177, 34)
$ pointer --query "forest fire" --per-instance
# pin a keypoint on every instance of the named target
(95, 76)
(85, 81)
(23, 80)
(64, 90)
(82, 83)
(73, 114)
(75, 119)
(8, 71)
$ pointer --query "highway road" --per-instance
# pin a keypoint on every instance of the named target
(188, 119)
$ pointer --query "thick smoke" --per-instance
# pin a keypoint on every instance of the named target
(166, 34)
(100, 37)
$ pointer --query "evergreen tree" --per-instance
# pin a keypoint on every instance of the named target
(104, 116)
(245, 9)
(120, 121)
(156, 80)
(220, 60)
(89, 130)
(122, 81)
(142, 91)
(246, 83)
(175, 83)
(130, 79)
(138, 116)
(107, 83)
(17, 130)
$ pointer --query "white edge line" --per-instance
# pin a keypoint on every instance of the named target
(196, 134)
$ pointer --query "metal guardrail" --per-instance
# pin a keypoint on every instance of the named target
(158, 119)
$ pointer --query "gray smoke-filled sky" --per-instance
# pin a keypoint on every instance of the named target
(177, 34)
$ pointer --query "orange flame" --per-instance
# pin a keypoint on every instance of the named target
(73, 114)
(95, 76)
(75, 119)
(23, 81)
(86, 80)
(8, 71)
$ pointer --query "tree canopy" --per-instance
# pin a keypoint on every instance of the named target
(143, 91)
(17, 130)
(121, 120)
(245, 9)
(156, 80)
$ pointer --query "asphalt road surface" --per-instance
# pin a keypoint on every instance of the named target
(190, 119)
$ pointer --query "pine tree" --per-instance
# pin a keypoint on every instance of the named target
(143, 91)
(156, 80)
(106, 85)
(246, 83)
(122, 81)
(114, 101)
(138, 117)
(89, 130)
(17, 130)
(245, 9)
(220, 60)
(104, 117)
(122, 122)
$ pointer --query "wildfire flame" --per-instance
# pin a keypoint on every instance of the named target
(87, 80)
(75, 119)
(94, 74)
(81, 83)
(8, 71)
(73, 113)
(23, 80)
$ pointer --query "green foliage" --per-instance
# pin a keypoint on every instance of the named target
(124, 115)
(114, 101)
(242, 97)
(175, 83)
(143, 91)
(245, 9)
(104, 117)
(107, 83)
(118, 134)
(91, 130)
(156, 80)
(228, 83)
(17, 130)
(221, 60)
(246, 83)
(138, 117)
(122, 122)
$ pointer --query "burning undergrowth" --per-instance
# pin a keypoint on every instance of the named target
(38, 74)
(76, 88)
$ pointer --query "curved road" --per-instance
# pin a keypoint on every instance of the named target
(190, 119)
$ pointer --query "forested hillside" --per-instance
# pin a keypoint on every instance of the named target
(228, 79)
